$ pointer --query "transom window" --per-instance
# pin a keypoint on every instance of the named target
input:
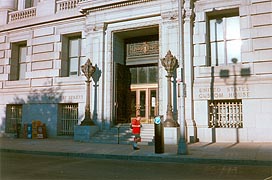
(144, 74)
(225, 114)
(225, 41)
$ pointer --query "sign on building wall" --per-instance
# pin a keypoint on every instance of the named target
(222, 92)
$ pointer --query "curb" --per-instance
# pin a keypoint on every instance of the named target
(150, 157)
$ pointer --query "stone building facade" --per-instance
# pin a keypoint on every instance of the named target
(224, 50)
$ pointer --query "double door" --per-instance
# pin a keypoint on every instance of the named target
(144, 102)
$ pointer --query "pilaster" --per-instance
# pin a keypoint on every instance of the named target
(95, 50)
(169, 40)
(188, 70)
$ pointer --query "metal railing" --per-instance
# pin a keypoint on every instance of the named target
(68, 119)
(225, 114)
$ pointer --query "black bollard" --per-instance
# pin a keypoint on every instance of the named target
(159, 136)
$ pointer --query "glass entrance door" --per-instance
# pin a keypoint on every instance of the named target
(144, 103)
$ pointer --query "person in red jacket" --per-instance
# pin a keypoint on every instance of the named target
(136, 130)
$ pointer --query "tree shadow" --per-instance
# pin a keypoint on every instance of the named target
(225, 74)
(39, 104)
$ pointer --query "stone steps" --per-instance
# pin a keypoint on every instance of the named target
(122, 135)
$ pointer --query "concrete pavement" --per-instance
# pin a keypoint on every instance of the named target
(224, 153)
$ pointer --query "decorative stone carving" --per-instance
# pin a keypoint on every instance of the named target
(170, 15)
(95, 28)
(189, 15)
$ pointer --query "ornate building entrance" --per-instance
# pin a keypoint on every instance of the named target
(136, 79)
(142, 60)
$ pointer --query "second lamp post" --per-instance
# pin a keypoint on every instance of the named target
(170, 63)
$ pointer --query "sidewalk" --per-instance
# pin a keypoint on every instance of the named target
(224, 153)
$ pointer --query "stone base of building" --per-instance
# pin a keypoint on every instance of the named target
(171, 135)
(84, 133)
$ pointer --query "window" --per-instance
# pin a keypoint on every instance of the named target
(28, 3)
(18, 61)
(14, 117)
(144, 74)
(68, 118)
(71, 58)
(225, 42)
(24, 4)
(225, 114)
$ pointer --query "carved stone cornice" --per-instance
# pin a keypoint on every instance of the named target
(88, 10)
(91, 28)
(169, 15)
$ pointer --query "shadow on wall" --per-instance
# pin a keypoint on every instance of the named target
(96, 76)
(42, 105)
(230, 79)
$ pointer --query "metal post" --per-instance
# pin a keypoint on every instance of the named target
(159, 134)
(182, 145)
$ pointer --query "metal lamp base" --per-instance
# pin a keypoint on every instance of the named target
(170, 123)
(87, 122)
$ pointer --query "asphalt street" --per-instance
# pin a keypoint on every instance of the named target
(19, 166)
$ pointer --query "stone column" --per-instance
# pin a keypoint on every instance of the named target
(188, 70)
(169, 33)
(169, 41)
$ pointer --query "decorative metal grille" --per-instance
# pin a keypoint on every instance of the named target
(68, 119)
(225, 114)
(14, 117)
(143, 49)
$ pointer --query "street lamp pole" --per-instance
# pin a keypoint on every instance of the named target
(170, 63)
(182, 144)
(88, 71)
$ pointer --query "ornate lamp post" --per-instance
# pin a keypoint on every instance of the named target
(88, 71)
(170, 63)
